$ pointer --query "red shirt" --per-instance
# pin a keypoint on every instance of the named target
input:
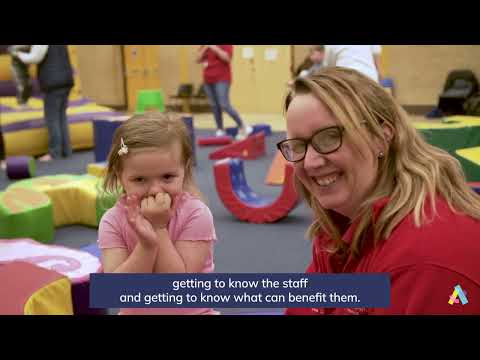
(425, 265)
(216, 69)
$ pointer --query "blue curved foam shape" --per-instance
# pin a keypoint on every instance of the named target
(241, 188)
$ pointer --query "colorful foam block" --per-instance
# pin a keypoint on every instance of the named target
(188, 121)
(266, 128)
(25, 212)
(214, 140)
(237, 196)
(67, 192)
(28, 289)
(51, 201)
(150, 99)
(475, 186)
(20, 167)
(97, 169)
(25, 132)
(276, 173)
(103, 129)
(76, 265)
(250, 148)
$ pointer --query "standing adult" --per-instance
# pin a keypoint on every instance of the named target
(55, 77)
(217, 78)
(356, 57)
(377, 54)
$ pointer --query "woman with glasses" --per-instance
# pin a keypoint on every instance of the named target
(383, 199)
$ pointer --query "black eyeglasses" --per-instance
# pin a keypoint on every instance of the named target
(324, 141)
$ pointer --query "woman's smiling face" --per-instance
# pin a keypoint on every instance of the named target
(341, 180)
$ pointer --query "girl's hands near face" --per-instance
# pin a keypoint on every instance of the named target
(143, 227)
(157, 209)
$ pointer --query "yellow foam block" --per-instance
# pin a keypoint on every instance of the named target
(34, 142)
(97, 169)
(15, 117)
(28, 289)
(33, 103)
(74, 198)
(53, 299)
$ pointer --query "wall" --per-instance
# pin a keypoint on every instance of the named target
(260, 82)
(420, 71)
(101, 73)
(178, 65)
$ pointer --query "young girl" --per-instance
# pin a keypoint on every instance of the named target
(159, 224)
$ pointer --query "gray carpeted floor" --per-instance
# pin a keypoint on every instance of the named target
(242, 247)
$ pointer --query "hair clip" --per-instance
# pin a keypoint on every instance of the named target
(123, 148)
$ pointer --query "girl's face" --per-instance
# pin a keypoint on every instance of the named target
(149, 171)
(340, 180)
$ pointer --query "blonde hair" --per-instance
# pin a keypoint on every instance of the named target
(410, 173)
(150, 130)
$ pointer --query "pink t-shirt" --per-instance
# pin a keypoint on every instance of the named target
(191, 220)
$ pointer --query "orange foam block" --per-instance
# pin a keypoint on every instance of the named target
(276, 173)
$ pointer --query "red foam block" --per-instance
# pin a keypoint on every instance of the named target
(20, 281)
(250, 148)
(214, 140)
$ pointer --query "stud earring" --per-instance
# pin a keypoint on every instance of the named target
(381, 155)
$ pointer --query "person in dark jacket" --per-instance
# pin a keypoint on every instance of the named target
(55, 76)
